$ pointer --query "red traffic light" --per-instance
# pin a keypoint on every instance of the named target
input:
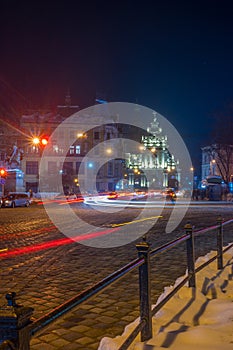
(44, 141)
(40, 141)
(3, 173)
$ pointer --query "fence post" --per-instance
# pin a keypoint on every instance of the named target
(220, 243)
(190, 255)
(14, 320)
(145, 290)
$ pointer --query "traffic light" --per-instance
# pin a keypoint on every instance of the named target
(3, 173)
(44, 141)
(40, 141)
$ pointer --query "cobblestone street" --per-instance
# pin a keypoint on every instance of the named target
(45, 277)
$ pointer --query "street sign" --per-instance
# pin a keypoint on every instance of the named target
(2, 181)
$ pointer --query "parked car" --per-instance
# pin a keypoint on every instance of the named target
(15, 199)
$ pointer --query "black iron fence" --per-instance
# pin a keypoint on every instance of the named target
(16, 327)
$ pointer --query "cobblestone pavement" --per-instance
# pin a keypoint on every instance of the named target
(45, 277)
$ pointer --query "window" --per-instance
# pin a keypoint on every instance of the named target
(79, 168)
(117, 170)
(74, 150)
(55, 149)
(52, 168)
(96, 135)
(110, 169)
(71, 150)
(77, 149)
(68, 168)
(31, 168)
(86, 147)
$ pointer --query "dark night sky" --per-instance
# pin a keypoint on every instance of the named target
(173, 56)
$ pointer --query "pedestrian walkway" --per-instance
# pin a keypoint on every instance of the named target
(193, 319)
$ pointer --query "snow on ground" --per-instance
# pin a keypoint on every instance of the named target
(194, 319)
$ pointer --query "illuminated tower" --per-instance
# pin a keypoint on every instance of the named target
(156, 168)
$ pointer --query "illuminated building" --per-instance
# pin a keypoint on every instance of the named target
(153, 166)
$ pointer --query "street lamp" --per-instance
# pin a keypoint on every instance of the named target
(109, 151)
(213, 164)
(39, 142)
(36, 140)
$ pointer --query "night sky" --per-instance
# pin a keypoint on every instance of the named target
(175, 57)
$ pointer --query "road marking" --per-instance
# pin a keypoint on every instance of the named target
(139, 220)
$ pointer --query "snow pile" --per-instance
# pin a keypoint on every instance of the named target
(200, 318)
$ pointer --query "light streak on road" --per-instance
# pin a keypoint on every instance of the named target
(135, 221)
(54, 243)
(9, 236)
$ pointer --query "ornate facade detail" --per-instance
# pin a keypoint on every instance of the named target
(153, 166)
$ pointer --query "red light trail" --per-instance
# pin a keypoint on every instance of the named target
(54, 243)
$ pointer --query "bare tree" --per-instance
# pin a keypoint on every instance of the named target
(222, 142)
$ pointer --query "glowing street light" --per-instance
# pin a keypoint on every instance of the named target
(36, 140)
(39, 141)
(109, 151)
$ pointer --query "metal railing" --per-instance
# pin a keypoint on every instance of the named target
(16, 328)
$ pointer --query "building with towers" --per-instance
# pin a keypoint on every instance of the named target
(153, 166)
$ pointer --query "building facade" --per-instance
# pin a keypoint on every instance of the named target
(153, 166)
(217, 160)
(72, 154)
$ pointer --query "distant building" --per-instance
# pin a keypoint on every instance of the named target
(71, 144)
(21, 149)
(156, 168)
(217, 160)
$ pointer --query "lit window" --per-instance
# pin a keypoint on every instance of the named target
(55, 148)
(71, 150)
(78, 149)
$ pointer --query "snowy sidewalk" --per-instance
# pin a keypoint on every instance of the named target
(200, 318)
